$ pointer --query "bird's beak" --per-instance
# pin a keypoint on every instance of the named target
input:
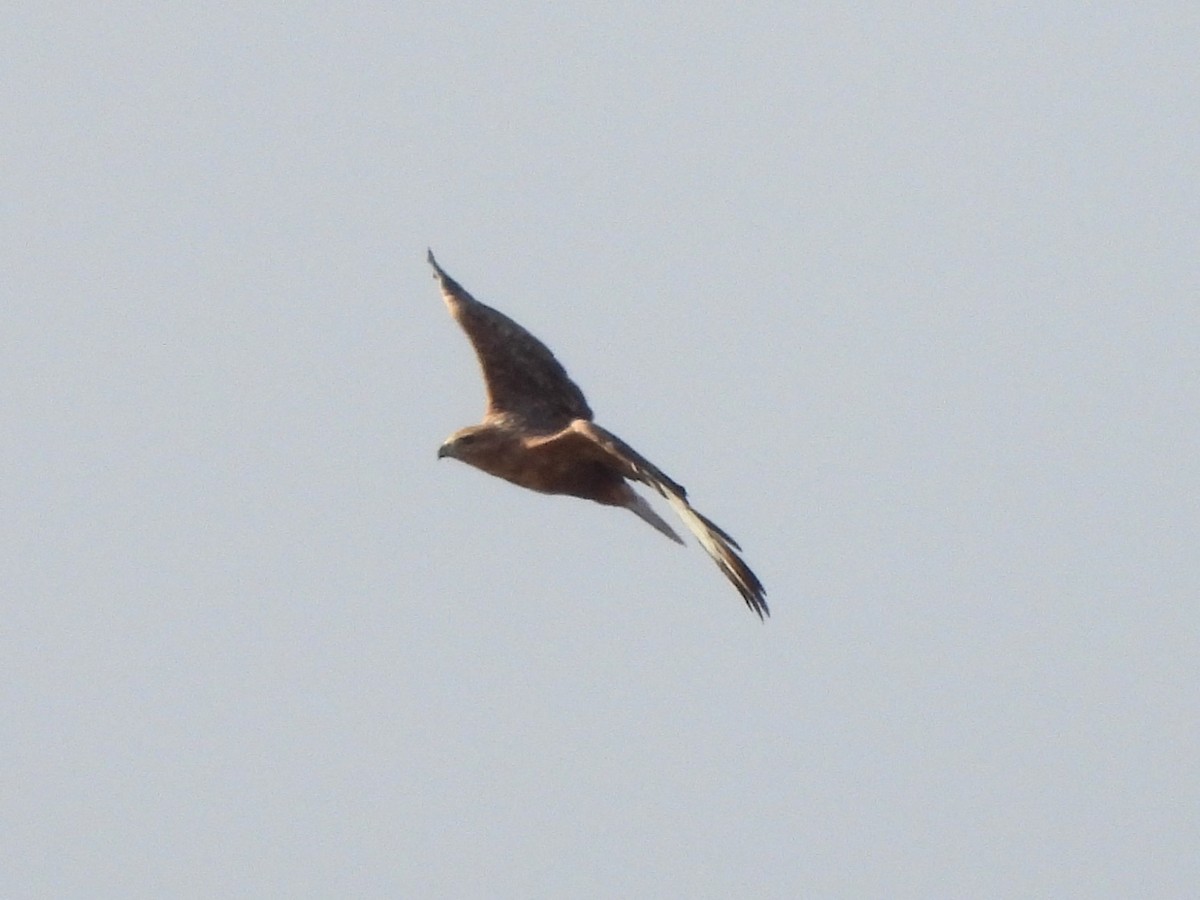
(444, 450)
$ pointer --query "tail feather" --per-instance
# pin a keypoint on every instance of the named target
(646, 512)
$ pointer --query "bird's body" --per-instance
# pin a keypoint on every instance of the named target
(538, 433)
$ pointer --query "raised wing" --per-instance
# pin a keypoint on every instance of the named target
(590, 440)
(523, 379)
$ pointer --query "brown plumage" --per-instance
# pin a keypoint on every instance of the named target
(537, 432)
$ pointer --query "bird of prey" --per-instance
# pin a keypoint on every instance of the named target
(537, 432)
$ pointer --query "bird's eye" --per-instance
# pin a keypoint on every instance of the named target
(467, 439)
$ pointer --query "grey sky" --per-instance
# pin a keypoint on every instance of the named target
(907, 299)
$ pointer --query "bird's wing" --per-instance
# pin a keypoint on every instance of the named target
(589, 440)
(524, 381)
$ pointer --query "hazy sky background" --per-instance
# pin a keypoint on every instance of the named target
(909, 299)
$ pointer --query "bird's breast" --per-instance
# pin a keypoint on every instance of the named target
(587, 479)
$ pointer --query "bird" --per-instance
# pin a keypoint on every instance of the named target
(538, 432)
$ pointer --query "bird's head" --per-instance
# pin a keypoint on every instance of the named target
(473, 445)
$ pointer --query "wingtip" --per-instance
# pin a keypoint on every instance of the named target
(756, 596)
(753, 594)
(437, 270)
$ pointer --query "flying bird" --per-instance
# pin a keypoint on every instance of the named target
(537, 432)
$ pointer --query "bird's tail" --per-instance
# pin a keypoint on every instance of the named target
(646, 512)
